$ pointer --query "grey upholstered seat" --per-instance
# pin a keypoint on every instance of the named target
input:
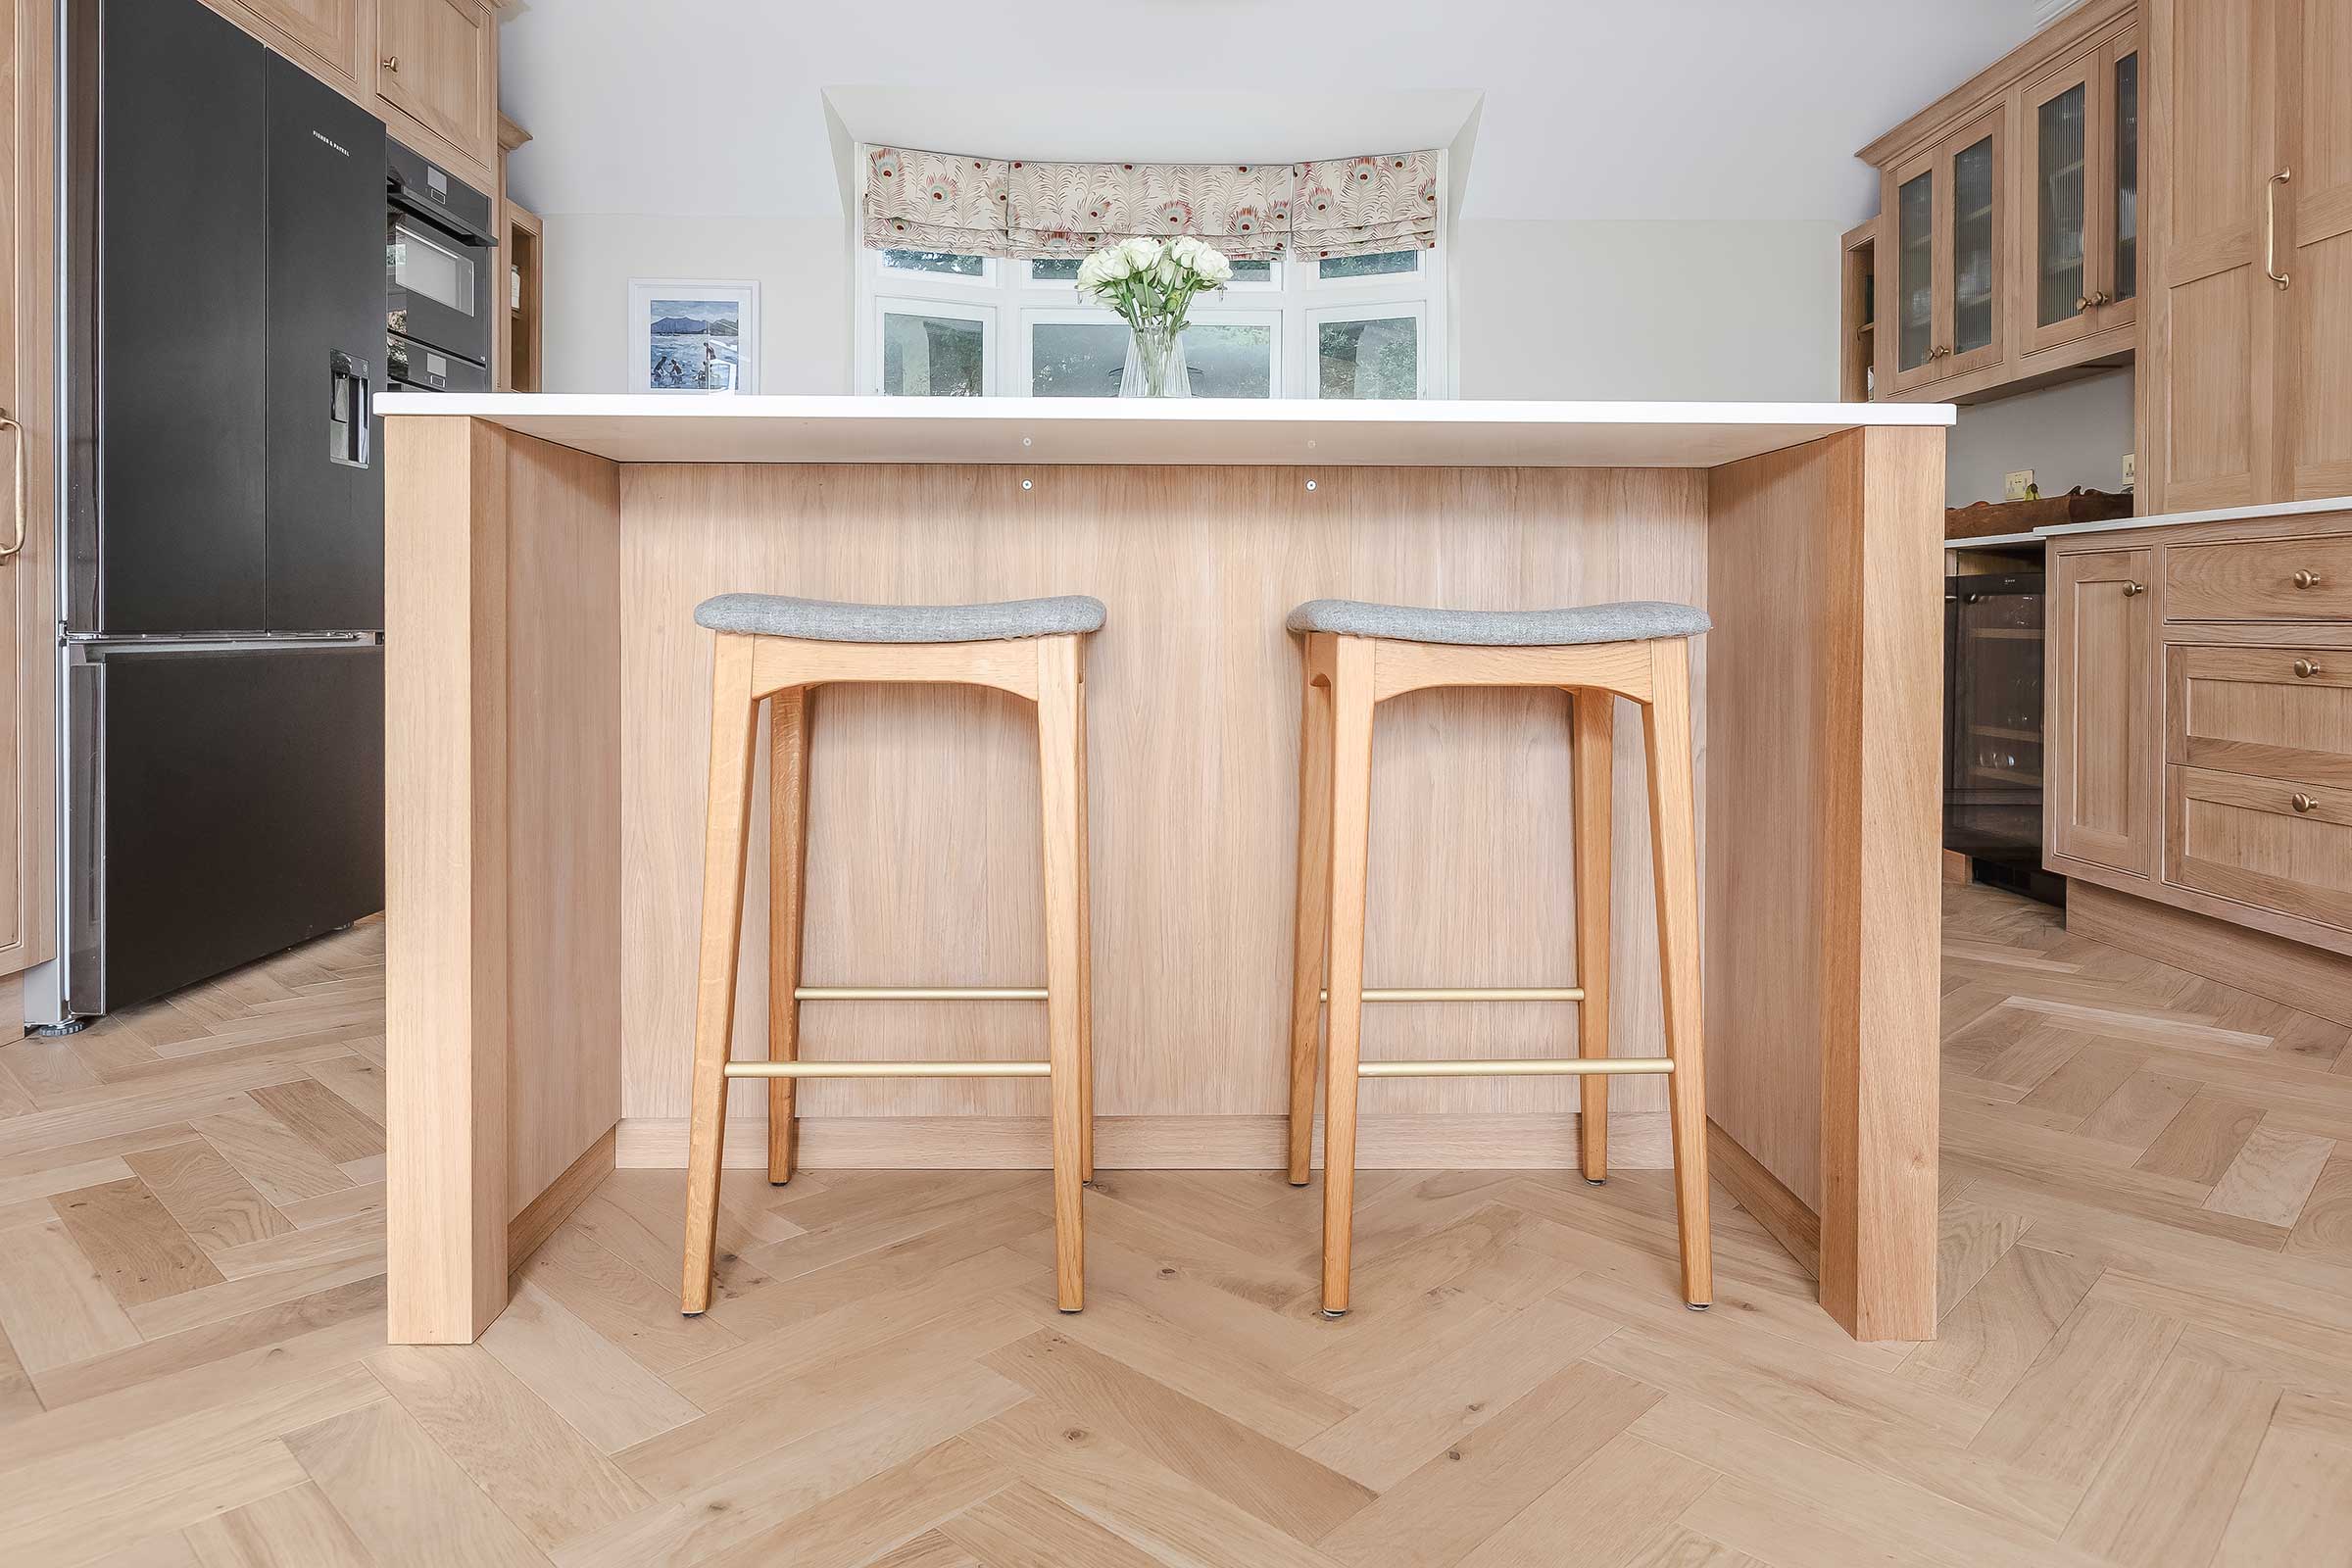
(1631, 620)
(832, 621)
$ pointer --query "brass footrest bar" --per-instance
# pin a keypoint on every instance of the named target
(1470, 994)
(1571, 1067)
(920, 994)
(888, 1070)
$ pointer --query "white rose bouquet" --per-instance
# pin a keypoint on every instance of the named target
(1151, 287)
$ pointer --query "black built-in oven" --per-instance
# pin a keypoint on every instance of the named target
(438, 296)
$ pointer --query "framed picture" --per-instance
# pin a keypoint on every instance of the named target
(693, 336)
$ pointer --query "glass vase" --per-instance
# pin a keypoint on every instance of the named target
(1156, 365)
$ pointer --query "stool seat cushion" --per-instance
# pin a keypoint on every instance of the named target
(1631, 620)
(832, 621)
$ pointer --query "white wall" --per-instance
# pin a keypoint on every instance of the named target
(1543, 310)
(800, 264)
(2075, 433)
(1737, 310)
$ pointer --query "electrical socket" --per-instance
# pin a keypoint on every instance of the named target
(2131, 470)
(2014, 486)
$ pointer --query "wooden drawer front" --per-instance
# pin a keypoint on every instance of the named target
(2255, 579)
(2240, 837)
(2250, 711)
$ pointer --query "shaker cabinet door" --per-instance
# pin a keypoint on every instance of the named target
(2102, 737)
(2317, 344)
(435, 61)
(323, 35)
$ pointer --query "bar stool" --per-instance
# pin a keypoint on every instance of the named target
(1360, 655)
(779, 650)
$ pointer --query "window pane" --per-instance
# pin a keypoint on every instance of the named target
(1230, 360)
(1972, 247)
(1254, 272)
(1076, 359)
(933, 262)
(1053, 270)
(2127, 177)
(2059, 214)
(1377, 359)
(932, 357)
(1379, 266)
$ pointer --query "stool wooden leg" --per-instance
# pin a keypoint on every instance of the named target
(734, 721)
(787, 900)
(1311, 914)
(1595, 722)
(1674, 854)
(1351, 703)
(1057, 769)
(1085, 953)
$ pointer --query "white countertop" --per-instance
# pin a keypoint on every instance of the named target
(658, 427)
(2173, 519)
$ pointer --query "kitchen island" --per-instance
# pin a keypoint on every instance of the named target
(547, 728)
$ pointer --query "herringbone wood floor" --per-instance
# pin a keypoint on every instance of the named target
(2146, 1350)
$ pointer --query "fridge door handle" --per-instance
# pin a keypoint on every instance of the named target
(15, 437)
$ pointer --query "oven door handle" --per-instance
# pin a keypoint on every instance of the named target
(446, 221)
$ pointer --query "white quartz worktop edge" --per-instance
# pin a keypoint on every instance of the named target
(1158, 410)
(2175, 519)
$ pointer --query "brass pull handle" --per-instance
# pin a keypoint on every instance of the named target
(2305, 669)
(2307, 579)
(2270, 221)
(2132, 589)
(16, 438)
(391, 63)
(2303, 803)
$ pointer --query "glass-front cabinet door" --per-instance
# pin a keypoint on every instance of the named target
(1945, 277)
(1973, 249)
(2079, 253)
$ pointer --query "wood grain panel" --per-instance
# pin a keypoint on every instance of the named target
(2256, 711)
(2281, 845)
(2307, 578)
(923, 847)
(563, 613)
(1825, 776)
(2317, 347)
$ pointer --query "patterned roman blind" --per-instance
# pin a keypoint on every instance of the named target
(1252, 212)
(1361, 206)
(1069, 208)
(935, 202)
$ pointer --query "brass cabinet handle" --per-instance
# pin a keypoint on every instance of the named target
(2132, 588)
(2303, 803)
(391, 63)
(2305, 669)
(16, 438)
(2307, 579)
(2270, 221)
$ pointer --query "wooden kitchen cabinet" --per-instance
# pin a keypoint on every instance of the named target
(2078, 212)
(2100, 804)
(2246, 389)
(437, 60)
(2009, 250)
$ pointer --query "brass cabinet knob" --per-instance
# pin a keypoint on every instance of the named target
(2305, 669)
(2303, 803)
(2131, 589)
(2103, 297)
(2307, 579)
(2082, 302)
(391, 62)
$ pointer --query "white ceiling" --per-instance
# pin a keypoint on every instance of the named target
(1583, 109)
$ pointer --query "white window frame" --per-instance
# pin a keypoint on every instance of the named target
(992, 354)
(1297, 297)
(1424, 359)
(1024, 370)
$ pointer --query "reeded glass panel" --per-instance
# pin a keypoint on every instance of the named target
(1915, 271)
(1076, 359)
(933, 357)
(1972, 247)
(2127, 177)
(1378, 265)
(1230, 360)
(1375, 359)
(2059, 211)
(947, 261)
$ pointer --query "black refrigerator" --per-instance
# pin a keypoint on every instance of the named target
(223, 579)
